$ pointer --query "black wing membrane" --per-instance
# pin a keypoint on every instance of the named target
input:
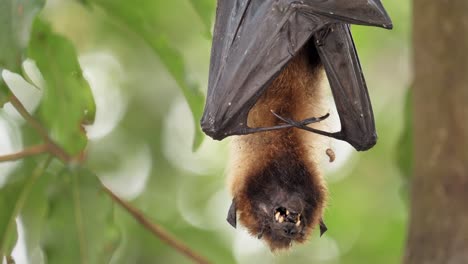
(255, 39)
(258, 40)
(359, 12)
(339, 57)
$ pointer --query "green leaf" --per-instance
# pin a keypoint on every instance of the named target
(140, 18)
(80, 221)
(13, 197)
(68, 101)
(33, 215)
(3, 91)
(205, 9)
(175, 65)
(16, 17)
(8, 233)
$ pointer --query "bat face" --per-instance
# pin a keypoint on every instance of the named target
(282, 222)
(282, 203)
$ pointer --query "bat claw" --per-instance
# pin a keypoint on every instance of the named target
(322, 35)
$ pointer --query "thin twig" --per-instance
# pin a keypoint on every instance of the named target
(157, 230)
(31, 151)
(27, 116)
(57, 151)
(51, 145)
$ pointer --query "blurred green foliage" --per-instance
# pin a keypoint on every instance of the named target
(140, 18)
(78, 207)
(67, 101)
(8, 200)
(15, 24)
(13, 196)
(205, 9)
(149, 58)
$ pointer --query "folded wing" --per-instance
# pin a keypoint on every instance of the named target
(255, 39)
(339, 57)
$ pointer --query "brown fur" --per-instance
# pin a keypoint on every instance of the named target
(295, 93)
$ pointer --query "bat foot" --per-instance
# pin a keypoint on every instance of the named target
(303, 125)
(304, 122)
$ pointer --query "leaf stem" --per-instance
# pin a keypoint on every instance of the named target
(79, 221)
(52, 147)
(157, 230)
(31, 151)
(27, 116)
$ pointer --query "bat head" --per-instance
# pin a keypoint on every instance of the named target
(281, 204)
(283, 219)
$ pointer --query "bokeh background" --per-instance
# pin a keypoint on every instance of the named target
(141, 143)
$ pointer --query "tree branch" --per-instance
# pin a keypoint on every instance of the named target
(31, 151)
(157, 230)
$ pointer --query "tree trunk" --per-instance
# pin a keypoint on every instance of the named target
(438, 230)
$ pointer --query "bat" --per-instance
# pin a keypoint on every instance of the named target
(267, 62)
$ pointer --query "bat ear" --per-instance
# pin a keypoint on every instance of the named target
(323, 227)
(232, 214)
(364, 12)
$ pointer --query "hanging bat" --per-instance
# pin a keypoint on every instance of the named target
(266, 65)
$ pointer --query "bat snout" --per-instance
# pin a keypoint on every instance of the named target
(290, 230)
(287, 230)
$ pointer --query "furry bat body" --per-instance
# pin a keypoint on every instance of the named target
(278, 190)
(265, 69)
